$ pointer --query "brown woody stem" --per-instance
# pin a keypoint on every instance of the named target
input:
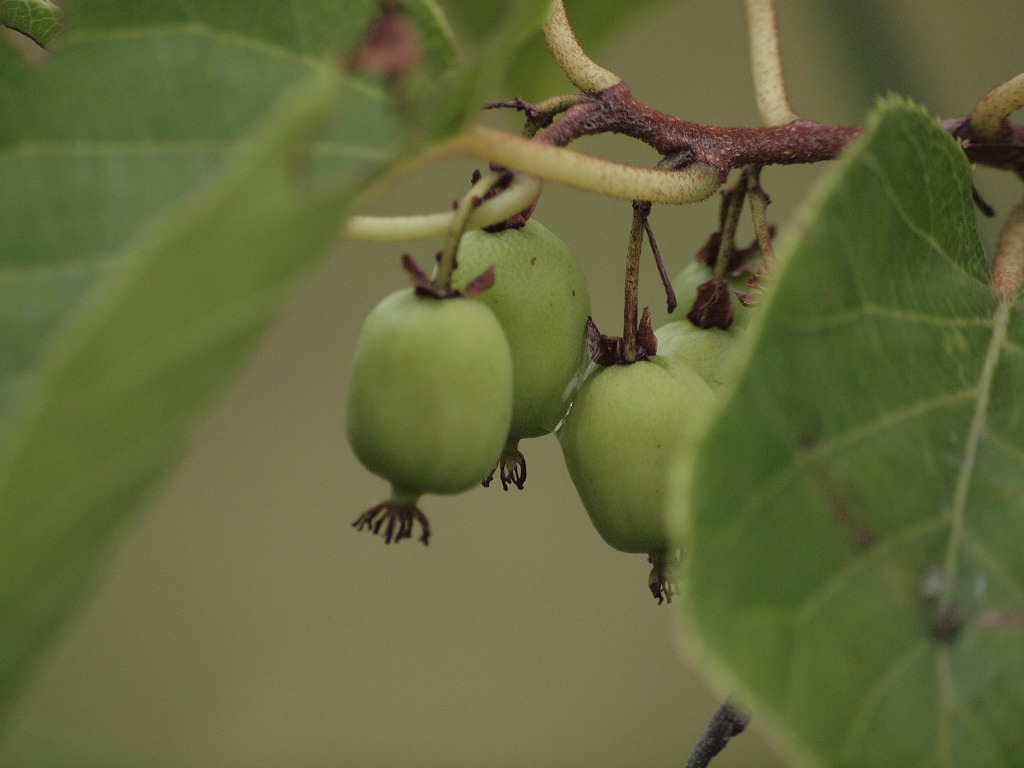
(616, 110)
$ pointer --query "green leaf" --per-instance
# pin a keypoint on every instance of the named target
(161, 200)
(853, 518)
(37, 19)
(127, 119)
(493, 33)
(110, 404)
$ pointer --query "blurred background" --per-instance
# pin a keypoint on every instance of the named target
(243, 622)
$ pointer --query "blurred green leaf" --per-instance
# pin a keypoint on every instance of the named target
(170, 176)
(109, 403)
(38, 19)
(853, 519)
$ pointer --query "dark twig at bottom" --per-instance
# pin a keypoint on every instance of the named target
(724, 724)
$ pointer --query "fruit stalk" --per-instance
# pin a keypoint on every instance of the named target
(730, 220)
(759, 213)
(446, 263)
(632, 287)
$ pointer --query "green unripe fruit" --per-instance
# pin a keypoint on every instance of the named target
(540, 297)
(618, 438)
(696, 273)
(430, 393)
(708, 351)
(429, 400)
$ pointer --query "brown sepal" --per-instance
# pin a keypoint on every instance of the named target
(608, 350)
(424, 286)
(747, 298)
(515, 221)
(646, 341)
(604, 350)
(420, 280)
(479, 284)
(713, 306)
(740, 260)
(708, 253)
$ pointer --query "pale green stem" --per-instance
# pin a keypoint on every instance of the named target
(692, 184)
(582, 72)
(467, 205)
(732, 219)
(990, 114)
(766, 63)
(1008, 263)
(759, 213)
(520, 194)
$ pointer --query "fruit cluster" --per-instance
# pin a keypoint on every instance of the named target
(445, 384)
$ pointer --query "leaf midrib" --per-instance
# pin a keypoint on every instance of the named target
(975, 435)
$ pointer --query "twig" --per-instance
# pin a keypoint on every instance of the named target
(616, 110)
(724, 724)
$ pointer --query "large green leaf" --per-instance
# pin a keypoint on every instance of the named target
(38, 19)
(115, 391)
(161, 200)
(853, 519)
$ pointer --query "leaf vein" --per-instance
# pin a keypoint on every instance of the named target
(776, 482)
(810, 605)
(873, 699)
(897, 205)
(995, 568)
(975, 435)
